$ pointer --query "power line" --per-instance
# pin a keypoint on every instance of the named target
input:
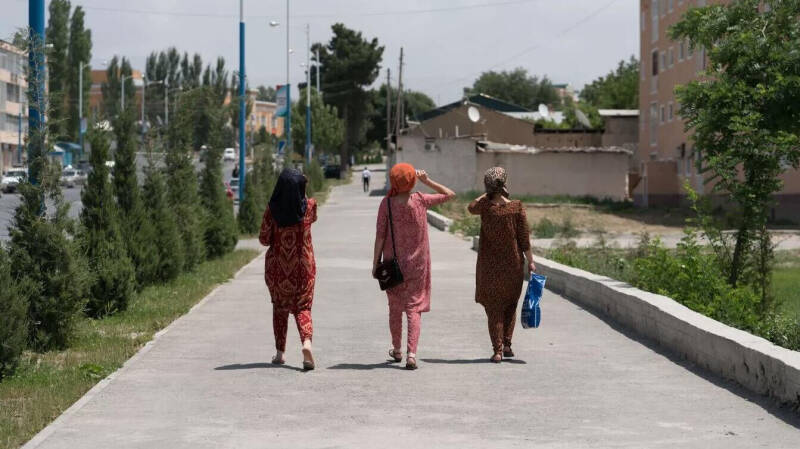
(536, 46)
(308, 16)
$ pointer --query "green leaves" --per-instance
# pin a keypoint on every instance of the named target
(517, 87)
(619, 89)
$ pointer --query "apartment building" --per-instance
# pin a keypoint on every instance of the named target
(13, 114)
(263, 115)
(666, 157)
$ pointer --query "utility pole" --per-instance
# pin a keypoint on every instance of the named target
(242, 105)
(288, 88)
(399, 118)
(308, 94)
(388, 110)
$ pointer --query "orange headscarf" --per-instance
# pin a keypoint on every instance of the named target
(402, 178)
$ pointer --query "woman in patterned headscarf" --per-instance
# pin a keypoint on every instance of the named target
(504, 238)
(410, 229)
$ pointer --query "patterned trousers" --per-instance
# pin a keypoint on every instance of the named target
(501, 324)
(396, 327)
(280, 325)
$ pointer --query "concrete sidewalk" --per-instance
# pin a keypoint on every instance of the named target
(577, 382)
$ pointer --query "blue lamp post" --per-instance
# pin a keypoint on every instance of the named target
(36, 63)
(242, 105)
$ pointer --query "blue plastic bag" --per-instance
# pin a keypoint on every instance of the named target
(531, 312)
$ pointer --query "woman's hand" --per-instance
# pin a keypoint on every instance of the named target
(375, 270)
(422, 175)
(531, 267)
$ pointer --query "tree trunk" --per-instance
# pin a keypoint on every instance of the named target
(737, 264)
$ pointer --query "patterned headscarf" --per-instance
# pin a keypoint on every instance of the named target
(495, 181)
(402, 177)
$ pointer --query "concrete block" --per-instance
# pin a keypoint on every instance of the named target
(439, 221)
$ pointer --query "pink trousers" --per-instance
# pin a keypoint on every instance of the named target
(396, 327)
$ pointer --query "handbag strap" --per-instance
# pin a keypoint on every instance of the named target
(391, 225)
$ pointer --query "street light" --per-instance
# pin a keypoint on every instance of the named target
(289, 51)
(122, 80)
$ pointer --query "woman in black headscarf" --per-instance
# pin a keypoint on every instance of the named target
(290, 270)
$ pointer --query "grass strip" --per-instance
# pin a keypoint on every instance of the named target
(47, 384)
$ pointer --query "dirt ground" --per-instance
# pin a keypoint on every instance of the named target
(586, 218)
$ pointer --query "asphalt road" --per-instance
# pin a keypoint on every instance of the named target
(10, 201)
(577, 382)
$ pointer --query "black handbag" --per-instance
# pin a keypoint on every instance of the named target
(388, 272)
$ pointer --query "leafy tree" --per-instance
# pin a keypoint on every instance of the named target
(619, 89)
(113, 279)
(57, 35)
(13, 317)
(185, 201)
(349, 64)
(134, 223)
(267, 94)
(80, 50)
(233, 107)
(414, 103)
(43, 253)
(168, 240)
(517, 87)
(220, 226)
(744, 111)
(327, 129)
(263, 135)
(191, 71)
(112, 88)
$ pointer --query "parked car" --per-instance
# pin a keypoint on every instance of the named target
(229, 154)
(71, 177)
(333, 171)
(12, 178)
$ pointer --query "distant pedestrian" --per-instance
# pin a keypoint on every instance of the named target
(410, 228)
(290, 270)
(504, 238)
(235, 172)
(365, 177)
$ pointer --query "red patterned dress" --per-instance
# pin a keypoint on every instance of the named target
(290, 272)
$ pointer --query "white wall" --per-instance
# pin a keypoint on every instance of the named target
(452, 163)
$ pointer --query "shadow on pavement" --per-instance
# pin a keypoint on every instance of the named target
(367, 367)
(239, 366)
(471, 361)
(377, 192)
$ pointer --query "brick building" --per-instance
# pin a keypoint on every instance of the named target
(666, 157)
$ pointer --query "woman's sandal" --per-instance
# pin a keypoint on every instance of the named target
(507, 352)
(277, 361)
(497, 357)
(411, 363)
(395, 356)
(308, 365)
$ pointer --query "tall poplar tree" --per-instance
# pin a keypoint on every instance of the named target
(57, 39)
(80, 51)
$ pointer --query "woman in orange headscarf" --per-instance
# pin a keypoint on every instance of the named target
(410, 229)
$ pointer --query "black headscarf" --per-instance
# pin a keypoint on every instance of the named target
(288, 202)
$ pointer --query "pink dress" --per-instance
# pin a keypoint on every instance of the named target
(413, 250)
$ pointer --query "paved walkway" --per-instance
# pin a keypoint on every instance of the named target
(577, 382)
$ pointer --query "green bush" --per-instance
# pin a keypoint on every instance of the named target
(469, 225)
(113, 275)
(316, 178)
(545, 229)
(167, 237)
(221, 232)
(140, 238)
(13, 317)
(251, 209)
(184, 201)
(44, 255)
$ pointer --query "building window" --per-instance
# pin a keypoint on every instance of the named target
(653, 123)
(669, 3)
(663, 61)
(671, 112)
(655, 62)
(689, 50)
(681, 51)
(701, 59)
(654, 20)
(671, 57)
(698, 161)
(663, 115)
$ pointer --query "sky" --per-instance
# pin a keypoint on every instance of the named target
(447, 43)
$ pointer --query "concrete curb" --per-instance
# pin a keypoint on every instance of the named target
(51, 428)
(439, 221)
(733, 354)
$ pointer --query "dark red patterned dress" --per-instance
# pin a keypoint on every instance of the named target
(505, 237)
(290, 272)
